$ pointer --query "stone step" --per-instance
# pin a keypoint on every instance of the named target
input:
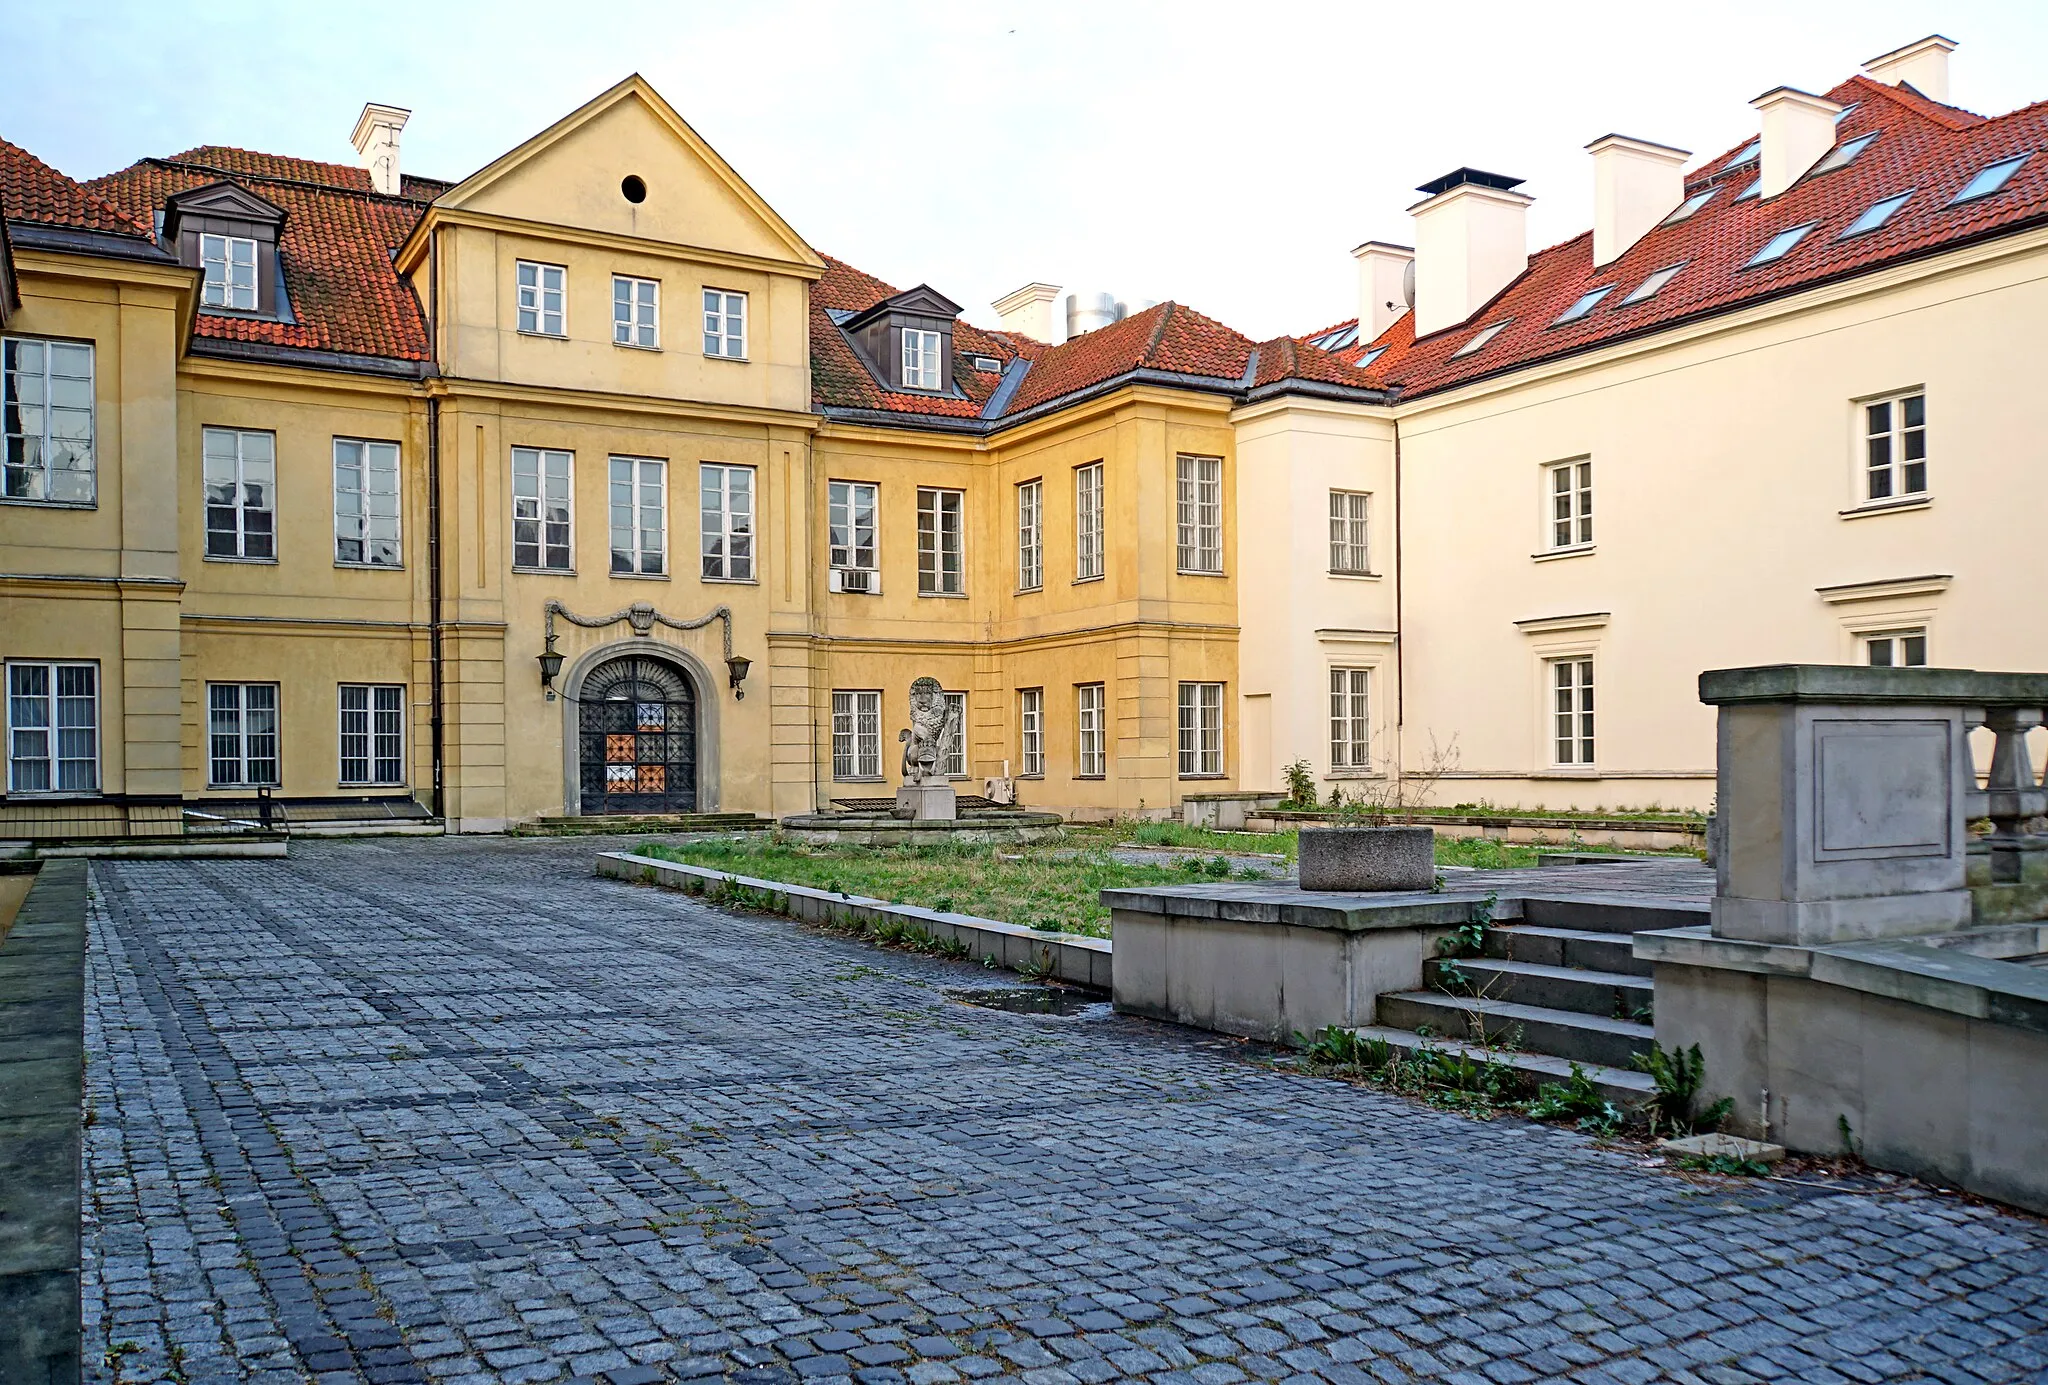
(1611, 913)
(1555, 988)
(1534, 1028)
(1622, 1086)
(623, 824)
(1565, 947)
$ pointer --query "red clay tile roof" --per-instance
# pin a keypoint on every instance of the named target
(1922, 147)
(335, 247)
(31, 190)
(839, 380)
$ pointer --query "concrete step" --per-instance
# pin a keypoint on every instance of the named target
(1612, 913)
(1623, 1086)
(1555, 988)
(624, 824)
(1534, 1028)
(1565, 947)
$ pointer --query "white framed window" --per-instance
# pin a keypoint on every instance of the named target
(1199, 513)
(725, 324)
(1571, 711)
(920, 359)
(543, 504)
(939, 518)
(953, 763)
(1895, 446)
(1031, 732)
(46, 421)
(53, 727)
(636, 311)
(1350, 718)
(850, 522)
(1896, 648)
(239, 468)
(543, 298)
(1087, 521)
(372, 734)
(1570, 485)
(366, 503)
(1201, 728)
(1030, 536)
(228, 264)
(726, 505)
(639, 516)
(241, 734)
(1350, 530)
(1091, 731)
(857, 734)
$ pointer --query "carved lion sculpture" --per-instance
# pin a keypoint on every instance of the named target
(933, 723)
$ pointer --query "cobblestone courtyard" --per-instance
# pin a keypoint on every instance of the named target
(454, 1110)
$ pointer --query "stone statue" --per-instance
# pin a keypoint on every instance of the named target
(932, 724)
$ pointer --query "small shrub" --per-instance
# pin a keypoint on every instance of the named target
(1343, 1048)
(1301, 785)
(1724, 1164)
(1576, 1099)
(1678, 1076)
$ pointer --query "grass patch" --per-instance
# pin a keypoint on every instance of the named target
(1483, 852)
(1048, 888)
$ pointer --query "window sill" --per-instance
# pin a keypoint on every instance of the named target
(715, 356)
(1198, 572)
(1344, 575)
(1355, 774)
(1031, 591)
(240, 788)
(635, 346)
(733, 581)
(945, 596)
(544, 336)
(1080, 580)
(1095, 778)
(52, 796)
(1564, 772)
(544, 571)
(360, 784)
(251, 562)
(639, 576)
(1577, 550)
(93, 504)
(367, 567)
(1887, 507)
(1038, 776)
(1217, 775)
(860, 779)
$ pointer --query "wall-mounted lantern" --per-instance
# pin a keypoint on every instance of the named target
(550, 667)
(737, 665)
(643, 618)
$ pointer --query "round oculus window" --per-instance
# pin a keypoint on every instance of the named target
(634, 189)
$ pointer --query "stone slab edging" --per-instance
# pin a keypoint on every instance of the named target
(42, 1079)
(1283, 903)
(1919, 973)
(1070, 957)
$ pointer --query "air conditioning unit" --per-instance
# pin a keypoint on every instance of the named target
(855, 581)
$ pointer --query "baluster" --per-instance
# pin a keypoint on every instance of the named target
(2013, 796)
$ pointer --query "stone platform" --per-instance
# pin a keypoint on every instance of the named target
(974, 827)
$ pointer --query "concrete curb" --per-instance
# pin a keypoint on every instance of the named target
(42, 1081)
(1071, 957)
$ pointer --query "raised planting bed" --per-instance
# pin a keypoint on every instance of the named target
(1570, 830)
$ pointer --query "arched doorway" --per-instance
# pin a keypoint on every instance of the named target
(636, 722)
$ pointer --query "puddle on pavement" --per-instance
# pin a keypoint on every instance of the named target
(1032, 1000)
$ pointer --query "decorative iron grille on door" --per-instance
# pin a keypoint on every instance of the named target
(637, 725)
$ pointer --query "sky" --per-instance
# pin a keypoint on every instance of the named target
(1224, 156)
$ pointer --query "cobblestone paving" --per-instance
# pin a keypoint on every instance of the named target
(456, 1111)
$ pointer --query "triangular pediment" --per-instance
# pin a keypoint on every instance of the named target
(574, 175)
(222, 199)
(922, 301)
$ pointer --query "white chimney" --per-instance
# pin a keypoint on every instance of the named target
(376, 142)
(1471, 241)
(1798, 128)
(1382, 297)
(1922, 66)
(1028, 311)
(1636, 184)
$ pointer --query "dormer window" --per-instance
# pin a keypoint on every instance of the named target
(906, 341)
(920, 359)
(229, 264)
(230, 236)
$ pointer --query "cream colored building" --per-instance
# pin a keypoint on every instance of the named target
(1774, 409)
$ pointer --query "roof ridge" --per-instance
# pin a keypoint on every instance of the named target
(1158, 331)
(89, 196)
(239, 175)
(1918, 102)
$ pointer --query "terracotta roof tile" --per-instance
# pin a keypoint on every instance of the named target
(31, 190)
(839, 380)
(1922, 147)
(335, 248)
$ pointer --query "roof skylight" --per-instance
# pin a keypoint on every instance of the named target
(1780, 245)
(1756, 185)
(1650, 287)
(1874, 216)
(1369, 357)
(1481, 337)
(1843, 114)
(1688, 207)
(1586, 303)
(1749, 151)
(1337, 340)
(1989, 180)
(1841, 154)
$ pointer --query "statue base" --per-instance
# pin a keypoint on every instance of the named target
(927, 803)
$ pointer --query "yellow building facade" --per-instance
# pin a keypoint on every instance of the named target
(581, 486)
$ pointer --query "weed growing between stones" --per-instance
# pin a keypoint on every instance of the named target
(1678, 1075)
(1477, 1085)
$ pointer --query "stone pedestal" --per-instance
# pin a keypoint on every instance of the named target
(1368, 858)
(927, 803)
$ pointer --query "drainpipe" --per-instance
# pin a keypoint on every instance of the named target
(1400, 601)
(434, 594)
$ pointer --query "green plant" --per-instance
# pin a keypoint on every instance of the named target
(1677, 1076)
(1343, 1048)
(1730, 1164)
(1848, 1137)
(1469, 937)
(1040, 967)
(1576, 1099)
(1301, 785)
(1216, 868)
